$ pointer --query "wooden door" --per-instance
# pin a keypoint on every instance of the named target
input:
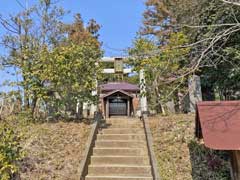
(117, 107)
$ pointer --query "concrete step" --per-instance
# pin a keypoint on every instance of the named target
(122, 131)
(120, 160)
(119, 144)
(121, 137)
(119, 151)
(122, 120)
(113, 170)
(122, 125)
(117, 178)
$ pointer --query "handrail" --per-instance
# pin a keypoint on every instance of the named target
(89, 147)
(153, 161)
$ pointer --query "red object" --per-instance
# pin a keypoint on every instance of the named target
(218, 122)
(119, 86)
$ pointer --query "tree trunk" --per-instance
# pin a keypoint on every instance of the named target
(176, 102)
(26, 101)
(33, 106)
(163, 110)
(159, 105)
(208, 93)
(25, 95)
(79, 110)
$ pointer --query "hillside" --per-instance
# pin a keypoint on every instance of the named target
(180, 156)
(51, 150)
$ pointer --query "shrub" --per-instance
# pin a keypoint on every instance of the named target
(10, 152)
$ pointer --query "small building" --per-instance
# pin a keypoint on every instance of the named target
(218, 123)
(119, 99)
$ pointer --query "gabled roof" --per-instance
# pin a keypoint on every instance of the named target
(113, 92)
(218, 122)
(119, 86)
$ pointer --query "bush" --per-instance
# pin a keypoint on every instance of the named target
(208, 163)
(10, 152)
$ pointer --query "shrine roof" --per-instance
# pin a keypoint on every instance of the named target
(117, 91)
(111, 86)
(218, 123)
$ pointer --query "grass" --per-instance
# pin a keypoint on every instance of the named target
(53, 150)
(180, 156)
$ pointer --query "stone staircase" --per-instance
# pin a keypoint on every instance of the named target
(120, 152)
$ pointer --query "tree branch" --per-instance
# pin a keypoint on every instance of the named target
(234, 2)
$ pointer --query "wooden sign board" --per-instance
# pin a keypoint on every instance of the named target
(118, 65)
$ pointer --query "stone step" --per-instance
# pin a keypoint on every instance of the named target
(119, 151)
(123, 121)
(117, 178)
(122, 125)
(122, 131)
(119, 144)
(121, 137)
(109, 126)
(113, 170)
(120, 160)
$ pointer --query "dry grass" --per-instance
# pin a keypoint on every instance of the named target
(53, 150)
(180, 156)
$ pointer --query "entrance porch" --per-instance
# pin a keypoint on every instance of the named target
(118, 103)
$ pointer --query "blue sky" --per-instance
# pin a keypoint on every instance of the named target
(120, 20)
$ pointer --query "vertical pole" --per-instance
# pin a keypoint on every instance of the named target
(107, 109)
(143, 97)
(85, 109)
(94, 107)
(235, 165)
(128, 107)
(77, 108)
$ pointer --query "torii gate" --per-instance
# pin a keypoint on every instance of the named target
(119, 69)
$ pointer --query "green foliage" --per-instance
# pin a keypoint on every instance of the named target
(57, 64)
(207, 163)
(213, 45)
(162, 65)
(10, 152)
(134, 79)
(71, 70)
(221, 70)
(161, 17)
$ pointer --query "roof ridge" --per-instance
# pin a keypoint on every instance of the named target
(120, 86)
